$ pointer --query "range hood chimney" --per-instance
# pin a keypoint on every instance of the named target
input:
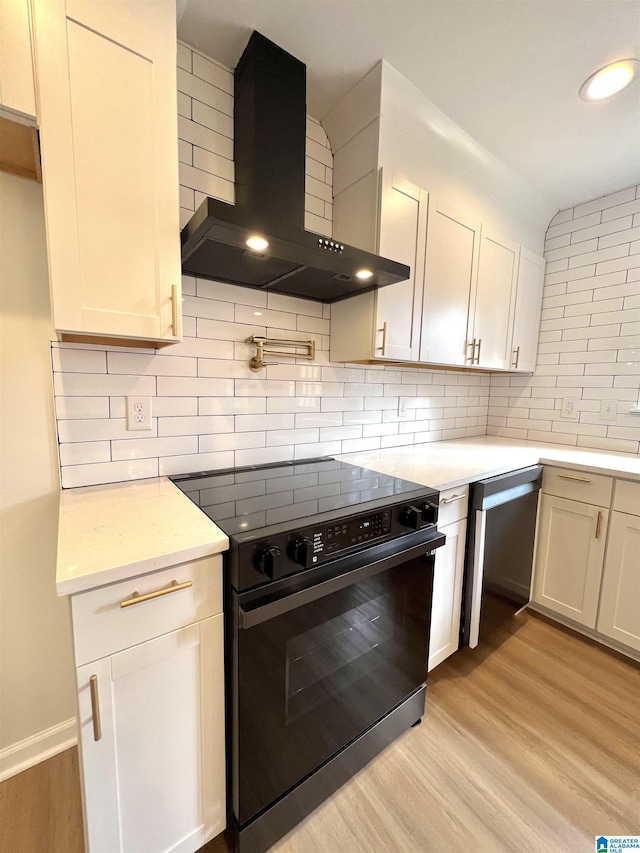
(270, 117)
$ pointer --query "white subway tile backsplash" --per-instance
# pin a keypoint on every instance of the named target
(586, 351)
(145, 448)
(95, 474)
(78, 361)
(74, 408)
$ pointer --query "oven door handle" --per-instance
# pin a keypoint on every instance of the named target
(248, 617)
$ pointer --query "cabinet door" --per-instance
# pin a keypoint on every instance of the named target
(16, 69)
(451, 268)
(447, 594)
(619, 614)
(155, 778)
(106, 81)
(526, 323)
(494, 299)
(569, 558)
(403, 218)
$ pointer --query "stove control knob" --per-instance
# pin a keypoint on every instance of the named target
(411, 517)
(302, 552)
(265, 559)
(429, 512)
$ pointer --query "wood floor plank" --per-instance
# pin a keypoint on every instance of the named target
(529, 742)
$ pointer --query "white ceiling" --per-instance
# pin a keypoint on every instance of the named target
(507, 71)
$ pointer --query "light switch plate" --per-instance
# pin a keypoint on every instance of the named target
(608, 410)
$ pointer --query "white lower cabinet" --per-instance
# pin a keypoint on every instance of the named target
(619, 614)
(587, 563)
(569, 558)
(448, 576)
(151, 720)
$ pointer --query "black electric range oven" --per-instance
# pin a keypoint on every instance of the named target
(328, 585)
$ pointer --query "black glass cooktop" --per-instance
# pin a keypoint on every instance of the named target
(241, 500)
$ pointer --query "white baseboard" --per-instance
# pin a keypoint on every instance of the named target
(32, 750)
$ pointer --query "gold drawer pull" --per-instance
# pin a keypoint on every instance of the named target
(174, 310)
(384, 338)
(452, 499)
(95, 707)
(136, 598)
(576, 479)
(599, 524)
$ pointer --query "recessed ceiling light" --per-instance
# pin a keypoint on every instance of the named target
(609, 80)
(257, 243)
(364, 274)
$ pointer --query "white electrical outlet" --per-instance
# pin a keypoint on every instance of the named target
(608, 410)
(138, 412)
(403, 407)
(569, 409)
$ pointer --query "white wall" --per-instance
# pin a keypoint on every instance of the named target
(589, 347)
(36, 664)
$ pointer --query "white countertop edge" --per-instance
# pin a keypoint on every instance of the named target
(83, 583)
(96, 523)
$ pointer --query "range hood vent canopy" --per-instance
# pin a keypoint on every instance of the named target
(270, 115)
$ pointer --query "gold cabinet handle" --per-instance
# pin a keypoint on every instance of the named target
(477, 361)
(174, 310)
(473, 351)
(384, 338)
(516, 352)
(95, 707)
(136, 598)
(452, 499)
(575, 479)
(599, 524)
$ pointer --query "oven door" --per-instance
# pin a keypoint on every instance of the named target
(315, 667)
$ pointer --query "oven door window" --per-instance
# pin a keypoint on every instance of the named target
(314, 678)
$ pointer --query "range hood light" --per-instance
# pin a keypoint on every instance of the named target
(257, 243)
(364, 274)
(609, 80)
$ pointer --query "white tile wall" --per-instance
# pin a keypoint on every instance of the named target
(590, 333)
(210, 411)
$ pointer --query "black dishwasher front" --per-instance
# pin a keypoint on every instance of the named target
(499, 561)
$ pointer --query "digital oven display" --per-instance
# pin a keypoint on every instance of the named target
(356, 531)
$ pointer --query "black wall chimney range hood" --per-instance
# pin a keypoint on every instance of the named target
(270, 115)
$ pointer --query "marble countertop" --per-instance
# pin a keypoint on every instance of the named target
(448, 464)
(113, 532)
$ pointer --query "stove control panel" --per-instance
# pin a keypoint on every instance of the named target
(285, 553)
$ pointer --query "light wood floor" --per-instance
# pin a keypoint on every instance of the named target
(530, 742)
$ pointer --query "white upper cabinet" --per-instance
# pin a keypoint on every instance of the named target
(17, 98)
(451, 270)
(384, 324)
(492, 313)
(402, 237)
(106, 84)
(526, 323)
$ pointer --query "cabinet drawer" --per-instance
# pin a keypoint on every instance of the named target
(101, 626)
(453, 505)
(577, 485)
(626, 497)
